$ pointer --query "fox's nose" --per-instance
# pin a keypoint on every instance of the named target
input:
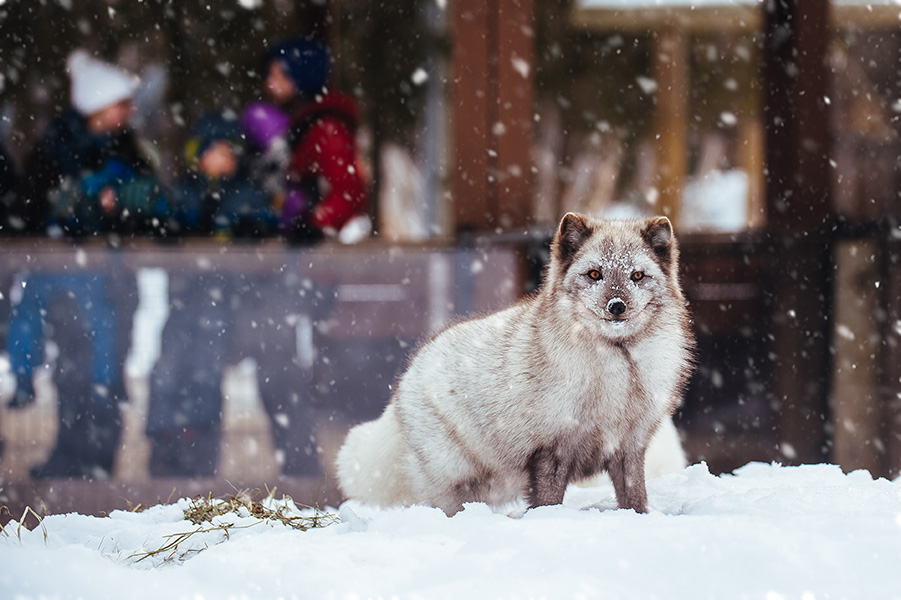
(616, 307)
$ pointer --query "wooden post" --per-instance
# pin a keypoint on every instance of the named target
(857, 410)
(492, 74)
(671, 119)
(513, 130)
(795, 80)
(470, 91)
(796, 85)
(892, 359)
(751, 159)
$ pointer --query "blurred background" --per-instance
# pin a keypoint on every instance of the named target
(767, 131)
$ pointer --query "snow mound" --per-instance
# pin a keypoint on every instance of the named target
(765, 531)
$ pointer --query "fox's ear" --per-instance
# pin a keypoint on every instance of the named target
(573, 232)
(658, 234)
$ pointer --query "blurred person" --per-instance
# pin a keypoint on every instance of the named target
(8, 182)
(215, 198)
(327, 187)
(89, 173)
(86, 176)
(266, 129)
(302, 140)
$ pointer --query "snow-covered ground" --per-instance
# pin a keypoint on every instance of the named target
(765, 532)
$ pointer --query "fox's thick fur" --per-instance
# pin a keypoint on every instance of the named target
(564, 385)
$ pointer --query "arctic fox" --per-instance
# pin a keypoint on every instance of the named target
(566, 384)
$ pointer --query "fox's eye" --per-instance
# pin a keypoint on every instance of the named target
(594, 274)
(637, 275)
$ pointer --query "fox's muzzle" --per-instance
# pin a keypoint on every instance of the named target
(616, 307)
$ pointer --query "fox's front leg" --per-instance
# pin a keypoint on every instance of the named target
(547, 478)
(626, 470)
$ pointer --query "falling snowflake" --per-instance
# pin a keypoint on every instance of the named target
(521, 66)
(647, 85)
(419, 76)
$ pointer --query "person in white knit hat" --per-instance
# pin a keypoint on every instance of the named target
(88, 173)
(86, 176)
(101, 92)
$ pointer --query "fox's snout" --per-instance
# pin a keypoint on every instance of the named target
(616, 307)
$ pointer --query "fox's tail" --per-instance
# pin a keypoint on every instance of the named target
(370, 464)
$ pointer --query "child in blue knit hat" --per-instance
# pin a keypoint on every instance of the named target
(215, 198)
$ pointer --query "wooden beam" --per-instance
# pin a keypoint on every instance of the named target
(671, 119)
(652, 16)
(693, 17)
(796, 84)
(515, 111)
(471, 92)
(492, 88)
(751, 159)
(795, 80)
(892, 359)
(857, 402)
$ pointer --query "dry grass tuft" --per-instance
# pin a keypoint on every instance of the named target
(210, 516)
(203, 510)
(245, 503)
(20, 524)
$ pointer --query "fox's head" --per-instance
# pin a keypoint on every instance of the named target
(615, 277)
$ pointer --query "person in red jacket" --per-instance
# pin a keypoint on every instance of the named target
(322, 163)
(303, 148)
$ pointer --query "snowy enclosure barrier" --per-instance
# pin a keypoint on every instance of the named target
(311, 340)
(351, 316)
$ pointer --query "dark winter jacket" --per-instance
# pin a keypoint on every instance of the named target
(8, 184)
(70, 166)
(228, 206)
